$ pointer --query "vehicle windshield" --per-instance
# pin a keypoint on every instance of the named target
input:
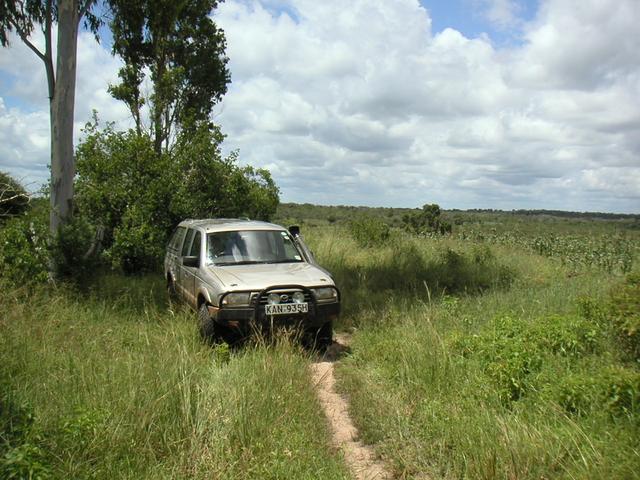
(251, 246)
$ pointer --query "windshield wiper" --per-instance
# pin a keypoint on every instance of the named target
(241, 262)
(288, 260)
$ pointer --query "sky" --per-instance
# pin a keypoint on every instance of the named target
(506, 104)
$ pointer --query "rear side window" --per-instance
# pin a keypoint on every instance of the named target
(187, 242)
(195, 246)
(176, 241)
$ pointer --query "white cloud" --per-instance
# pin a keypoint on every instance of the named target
(398, 116)
(503, 14)
(583, 45)
(24, 144)
(360, 103)
(24, 136)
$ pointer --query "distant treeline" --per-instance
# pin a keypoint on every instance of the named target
(308, 210)
(555, 213)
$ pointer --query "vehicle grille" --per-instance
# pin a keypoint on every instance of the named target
(288, 293)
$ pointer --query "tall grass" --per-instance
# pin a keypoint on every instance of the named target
(488, 372)
(405, 268)
(110, 383)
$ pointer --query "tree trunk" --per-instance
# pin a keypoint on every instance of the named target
(159, 102)
(62, 109)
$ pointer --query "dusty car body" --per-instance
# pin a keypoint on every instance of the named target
(242, 275)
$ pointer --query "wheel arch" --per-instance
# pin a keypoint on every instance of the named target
(202, 297)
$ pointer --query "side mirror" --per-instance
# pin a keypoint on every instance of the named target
(191, 261)
(294, 230)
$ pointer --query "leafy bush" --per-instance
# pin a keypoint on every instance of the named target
(28, 249)
(70, 250)
(24, 250)
(625, 312)
(24, 461)
(427, 220)
(611, 388)
(21, 455)
(512, 349)
(14, 199)
(369, 231)
(138, 245)
(138, 196)
(455, 271)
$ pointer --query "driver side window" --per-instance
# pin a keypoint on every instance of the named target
(195, 246)
(187, 243)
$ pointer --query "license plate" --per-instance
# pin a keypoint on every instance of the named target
(286, 308)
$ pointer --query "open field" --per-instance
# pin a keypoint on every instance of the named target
(470, 358)
(115, 385)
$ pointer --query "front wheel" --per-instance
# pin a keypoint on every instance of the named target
(171, 290)
(323, 337)
(207, 325)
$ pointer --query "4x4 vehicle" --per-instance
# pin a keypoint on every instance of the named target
(240, 275)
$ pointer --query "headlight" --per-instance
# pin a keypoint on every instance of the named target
(298, 297)
(328, 294)
(273, 298)
(242, 299)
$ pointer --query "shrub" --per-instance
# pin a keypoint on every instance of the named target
(624, 307)
(138, 196)
(14, 199)
(369, 231)
(24, 461)
(138, 245)
(70, 250)
(611, 388)
(28, 250)
(24, 250)
(21, 455)
(427, 220)
(511, 349)
(456, 271)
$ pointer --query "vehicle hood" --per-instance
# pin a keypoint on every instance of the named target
(260, 276)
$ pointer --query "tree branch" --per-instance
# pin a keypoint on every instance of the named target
(48, 62)
(84, 9)
(26, 41)
(17, 195)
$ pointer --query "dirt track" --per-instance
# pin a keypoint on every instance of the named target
(360, 458)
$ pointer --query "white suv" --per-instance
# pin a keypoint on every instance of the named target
(240, 275)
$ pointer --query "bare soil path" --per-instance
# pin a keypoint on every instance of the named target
(360, 458)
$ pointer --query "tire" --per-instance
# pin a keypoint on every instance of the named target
(171, 290)
(323, 337)
(207, 325)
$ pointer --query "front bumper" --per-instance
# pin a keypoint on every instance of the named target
(245, 318)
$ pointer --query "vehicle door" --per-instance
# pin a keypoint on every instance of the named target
(184, 251)
(173, 260)
(189, 273)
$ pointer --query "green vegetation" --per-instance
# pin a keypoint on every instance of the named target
(581, 241)
(14, 199)
(24, 246)
(473, 355)
(524, 367)
(163, 70)
(128, 201)
(404, 268)
(427, 220)
(110, 383)
(369, 231)
(137, 196)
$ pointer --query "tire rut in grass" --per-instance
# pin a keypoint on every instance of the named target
(360, 458)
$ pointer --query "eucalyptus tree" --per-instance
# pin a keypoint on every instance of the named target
(24, 17)
(179, 48)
